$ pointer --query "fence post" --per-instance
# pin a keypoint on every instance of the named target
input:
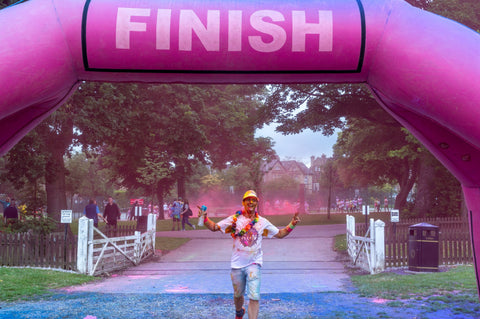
(379, 251)
(90, 247)
(152, 226)
(82, 246)
(351, 232)
(137, 248)
(373, 258)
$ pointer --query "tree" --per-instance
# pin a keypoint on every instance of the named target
(365, 154)
(40, 155)
(85, 178)
(179, 122)
(329, 181)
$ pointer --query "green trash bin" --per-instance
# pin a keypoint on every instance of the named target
(423, 247)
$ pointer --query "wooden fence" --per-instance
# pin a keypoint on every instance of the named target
(48, 251)
(122, 230)
(34, 250)
(98, 253)
(454, 240)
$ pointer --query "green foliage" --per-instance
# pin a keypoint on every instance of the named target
(211, 182)
(154, 135)
(86, 178)
(41, 225)
(284, 187)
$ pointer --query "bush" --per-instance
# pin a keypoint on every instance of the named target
(42, 225)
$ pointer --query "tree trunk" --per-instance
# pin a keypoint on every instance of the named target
(423, 199)
(160, 190)
(406, 182)
(180, 170)
(55, 185)
(57, 145)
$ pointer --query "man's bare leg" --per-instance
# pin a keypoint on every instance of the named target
(238, 303)
(253, 307)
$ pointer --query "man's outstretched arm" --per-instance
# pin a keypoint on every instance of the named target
(210, 224)
(287, 230)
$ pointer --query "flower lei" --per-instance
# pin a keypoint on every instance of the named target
(246, 229)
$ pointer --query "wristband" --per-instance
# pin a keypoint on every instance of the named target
(290, 227)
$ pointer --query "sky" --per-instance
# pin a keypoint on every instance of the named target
(301, 146)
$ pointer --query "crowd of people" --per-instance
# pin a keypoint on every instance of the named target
(10, 211)
(348, 205)
(179, 210)
(355, 205)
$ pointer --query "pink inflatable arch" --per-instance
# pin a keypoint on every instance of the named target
(423, 69)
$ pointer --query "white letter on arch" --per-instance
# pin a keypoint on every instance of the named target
(125, 25)
(164, 17)
(235, 30)
(277, 32)
(209, 36)
(324, 29)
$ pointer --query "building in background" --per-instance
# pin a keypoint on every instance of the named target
(309, 176)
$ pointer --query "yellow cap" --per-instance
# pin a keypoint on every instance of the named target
(250, 193)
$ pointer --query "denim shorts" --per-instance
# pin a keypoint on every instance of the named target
(249, 278)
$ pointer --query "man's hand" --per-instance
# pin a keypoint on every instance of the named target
(295, 218)
(201, 212)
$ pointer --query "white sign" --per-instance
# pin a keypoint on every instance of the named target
(365, 209)
(66, 217)
(395, 216)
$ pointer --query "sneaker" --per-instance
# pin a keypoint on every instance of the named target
(239, 314)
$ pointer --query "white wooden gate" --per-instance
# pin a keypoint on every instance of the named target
(103, 255)
(367, 252)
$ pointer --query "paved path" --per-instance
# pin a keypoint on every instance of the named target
(302, 262)
(301, 278)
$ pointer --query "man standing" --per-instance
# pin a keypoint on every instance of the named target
(186, 213)
(111, 213)
(92, 211)
(10, 213)
(177, 209)
(247, 229)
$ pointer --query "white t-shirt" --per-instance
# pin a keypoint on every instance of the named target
(247, 249)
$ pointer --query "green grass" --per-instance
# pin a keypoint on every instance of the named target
(340, 243)
(388, 285)
(166, 244)
(23, 283)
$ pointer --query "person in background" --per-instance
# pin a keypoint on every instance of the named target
(5, 203)
(247, 229)
(385, 204)
(111, 213)
(10, 214)
(131, 213)
(177, 209)
(91, 211)
(186, 213)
